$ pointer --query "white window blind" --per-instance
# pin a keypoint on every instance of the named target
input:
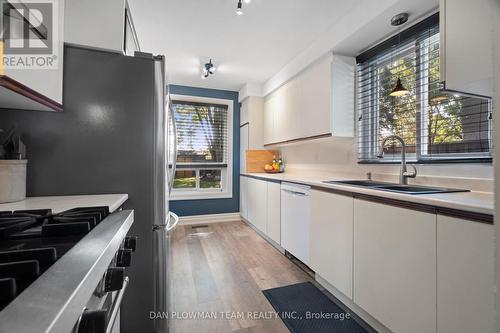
(201, 133)
(436, 125)
(202, 143)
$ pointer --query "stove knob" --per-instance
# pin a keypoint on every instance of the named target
(92, 321)
(114, 279)
(130, 242)
(123, 258)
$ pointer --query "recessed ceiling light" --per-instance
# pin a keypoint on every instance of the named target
(248, 1)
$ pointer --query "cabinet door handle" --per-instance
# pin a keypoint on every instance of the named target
(295, 193)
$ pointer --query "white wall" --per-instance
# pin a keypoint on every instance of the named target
(339, 155)
(366, 23)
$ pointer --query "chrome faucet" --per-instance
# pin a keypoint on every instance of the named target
(404, 174)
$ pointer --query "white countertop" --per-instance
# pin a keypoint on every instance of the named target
(479, 202)
(61, 203)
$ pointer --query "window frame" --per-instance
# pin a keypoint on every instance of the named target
(226, 190)
(383, 53)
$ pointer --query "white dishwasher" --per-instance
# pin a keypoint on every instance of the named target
(295, 220)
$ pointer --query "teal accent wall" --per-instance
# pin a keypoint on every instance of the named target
(214, 206)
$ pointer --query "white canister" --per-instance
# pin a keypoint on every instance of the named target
(12, 180)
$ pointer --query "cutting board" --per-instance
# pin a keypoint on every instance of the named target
(257, 159)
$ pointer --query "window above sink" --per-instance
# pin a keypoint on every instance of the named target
(436, 125)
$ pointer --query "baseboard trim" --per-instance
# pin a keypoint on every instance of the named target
(266, 238)
(209, 218)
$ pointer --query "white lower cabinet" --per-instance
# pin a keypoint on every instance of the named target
(257, 203)
(262, 208)
(274, 211)
(332, 239)
(465, 276)
(395, 266)
(244, 197)
(412, 271)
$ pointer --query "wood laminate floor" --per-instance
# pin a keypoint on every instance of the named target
(223, 268)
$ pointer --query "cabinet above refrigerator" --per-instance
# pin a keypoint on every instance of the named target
(31, 70)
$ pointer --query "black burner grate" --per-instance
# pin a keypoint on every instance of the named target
(32, 240)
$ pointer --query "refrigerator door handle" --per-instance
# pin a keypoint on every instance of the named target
(161, 277)
(172, 226)
(174, 162)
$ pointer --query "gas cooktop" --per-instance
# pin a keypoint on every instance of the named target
(32, 240)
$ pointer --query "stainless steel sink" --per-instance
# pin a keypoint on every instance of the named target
(413, 189)
(364, 183)
(390, 187)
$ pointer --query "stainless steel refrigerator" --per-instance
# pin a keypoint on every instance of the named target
(115, 135)
(165, 221)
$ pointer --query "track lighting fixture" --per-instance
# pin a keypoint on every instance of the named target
(208, 69)
(239, 9)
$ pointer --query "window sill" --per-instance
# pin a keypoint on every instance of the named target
(486, 160)
(186, 195)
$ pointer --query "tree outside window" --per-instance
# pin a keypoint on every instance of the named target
(435, 124)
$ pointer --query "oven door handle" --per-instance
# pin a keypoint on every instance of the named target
(116, 305)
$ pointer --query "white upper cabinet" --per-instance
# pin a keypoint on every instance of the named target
(317, 102)
(105, 25)
(466, 32)
(40, 86)
(251, 127)
(281, 114)
(291, 118)
(255, 118)
(269, 106)
(343, 96)
(465, 276)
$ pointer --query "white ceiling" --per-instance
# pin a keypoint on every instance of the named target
(247, 48)
(271, 34)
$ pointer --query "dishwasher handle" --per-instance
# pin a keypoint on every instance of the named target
(301, 194)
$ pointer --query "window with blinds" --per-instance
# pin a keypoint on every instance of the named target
(436, 125)
(202, 144)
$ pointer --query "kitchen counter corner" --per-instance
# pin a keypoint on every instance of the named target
(61, 203)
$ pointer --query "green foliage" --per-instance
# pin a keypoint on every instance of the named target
(398, 115)
(188, 182)
(206, 121)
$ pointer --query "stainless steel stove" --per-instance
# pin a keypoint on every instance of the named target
(65, 271)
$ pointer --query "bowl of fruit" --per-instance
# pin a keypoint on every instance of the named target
(269, 168)
(275, 167)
